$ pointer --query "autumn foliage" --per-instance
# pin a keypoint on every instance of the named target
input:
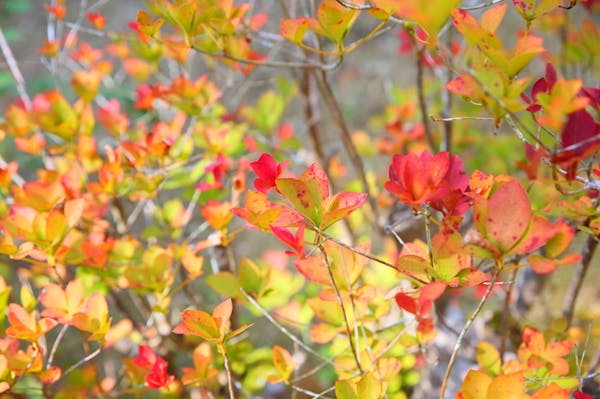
(189, 210)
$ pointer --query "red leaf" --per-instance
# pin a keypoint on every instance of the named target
(534, 157)
(406, 302)
(295, 241)
(268, 170)
(580, 138)
(540, 230)
(581, 395)
(145, 358)
(418, 179)
(96, 19)
(158, 377)
(432, 291)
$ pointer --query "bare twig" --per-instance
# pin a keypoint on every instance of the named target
(273, 63)
(575, 286)
(80, 363)
(312, 394)
(230, 387)
(355, 159)
(462, 334)
(57, 341)
(421, 98)
(447, 99)
(284, 330)
(368, 6)
(363, 254)
(505, 315)
(14, 69)
(342, 307)
(483, 5)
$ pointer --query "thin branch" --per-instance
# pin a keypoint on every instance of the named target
(460, 118)
(368, 6)
(57, 341)
(311, 112)
(272, 64)
(14, 69)
(364, 254)
(228, 372)
(575, 286)
(388, 347)
(355, 159)
(284, 330)
(343, 308)
(421, 98)
(312, 394)
(483, 5)
(80, 363)
(462, 334)
(447, 100)
(505, 315)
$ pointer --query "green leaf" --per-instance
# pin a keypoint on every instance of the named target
(301, 197)
(345, 390)
(488, 358)
(251, 278)
(335, 20)
(225, 283)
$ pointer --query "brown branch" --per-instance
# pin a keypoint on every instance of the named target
(311, 109)
(577, 281)
(355, 159)
(504, 327)
(447, 98)
(366, 255)
(421, 98)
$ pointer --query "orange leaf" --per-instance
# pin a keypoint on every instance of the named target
(24, 325)
(475, 385)
(202, 371)
(93, 317)
(552, 391)
(294, 30)
(50, 375)
(322, 333)
(197, 322)
(282, 360)
(217, 214)
(221, 314)
(508, 386)
(62, 304)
